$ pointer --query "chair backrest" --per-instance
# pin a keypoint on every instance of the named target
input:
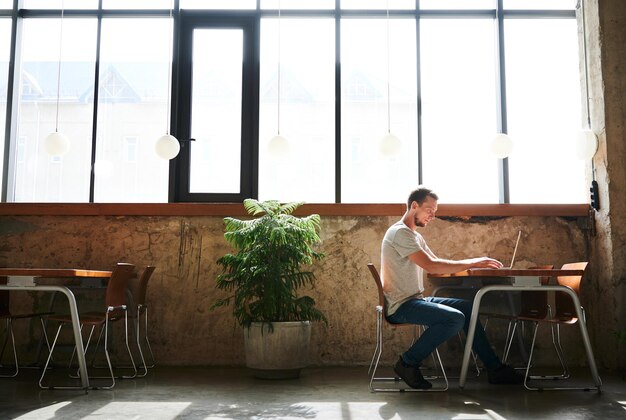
(138, 286)
(379, 285)
(535, 304)
(564, 307)
(116, 288)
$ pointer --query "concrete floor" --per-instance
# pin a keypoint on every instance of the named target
(320, 393)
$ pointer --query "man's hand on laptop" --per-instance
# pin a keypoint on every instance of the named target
(486, 262)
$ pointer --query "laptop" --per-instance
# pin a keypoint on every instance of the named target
(519, 235)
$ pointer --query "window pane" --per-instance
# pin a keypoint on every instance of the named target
(218, 4)
(56, 4)
(132, 110)
(6, 4)
(298, 4)
(305, 168)
(457, 4)
(137, 4)
(377, 4)
(368, 174)
(540, 4)
(40, 177)
(5, 36)
(216, 111)
(459, 109)
(544, 111)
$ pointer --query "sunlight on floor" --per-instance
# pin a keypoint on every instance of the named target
(489, 415)
(45, 413)
(139, 410)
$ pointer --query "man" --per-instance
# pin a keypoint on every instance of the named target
(404, 258)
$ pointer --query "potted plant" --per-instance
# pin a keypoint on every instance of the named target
(263, 277)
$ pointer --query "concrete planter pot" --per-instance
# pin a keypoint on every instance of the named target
(277, 354)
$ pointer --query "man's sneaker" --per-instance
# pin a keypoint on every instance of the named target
(505, 374)
(411, 375)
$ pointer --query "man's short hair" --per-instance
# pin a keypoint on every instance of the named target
(419, 195)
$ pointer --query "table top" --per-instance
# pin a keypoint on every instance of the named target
(54, 272)
(510, 272)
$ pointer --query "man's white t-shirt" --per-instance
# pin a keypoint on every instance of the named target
(402, 278)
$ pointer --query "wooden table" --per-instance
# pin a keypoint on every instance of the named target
(516, 280)
(26, 279)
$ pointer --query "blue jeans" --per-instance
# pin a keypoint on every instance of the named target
(444, 318)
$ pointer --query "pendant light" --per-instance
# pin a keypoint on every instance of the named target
(278, 145)
(167, 146)
(390, 145)
(501, 146)
(56, 143)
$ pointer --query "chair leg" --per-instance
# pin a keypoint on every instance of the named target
(556, 341)
(137, 336)
(510, 334)
(528, 377)
(146, 337)
(395, 379)
(144, 309)
(378, 340)
(9, 331)
(130, 354)
(45, 368)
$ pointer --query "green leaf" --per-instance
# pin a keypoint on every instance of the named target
(266, 270)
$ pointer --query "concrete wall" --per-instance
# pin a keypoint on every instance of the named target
(185, 249)
(606, 41)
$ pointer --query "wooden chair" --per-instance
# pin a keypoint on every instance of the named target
(115, 310)
(138, 288)
(381, 320)
(9, 317)
(564, 314)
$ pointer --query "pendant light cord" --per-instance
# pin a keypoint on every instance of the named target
(278, 72)
(169, 72)
(388, 88)
(56, 123)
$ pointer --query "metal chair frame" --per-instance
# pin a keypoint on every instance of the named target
(565, 314)
(139, 296)
(380, 321)
(9, 318)
(115, 306)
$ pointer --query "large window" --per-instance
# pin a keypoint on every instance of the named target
(300, 55)
(378, 98)
(371, 98)
(55, 97)
(544, 109)
(459, 113)
(132, 103)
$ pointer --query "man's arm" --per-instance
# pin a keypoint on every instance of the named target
(432, 264)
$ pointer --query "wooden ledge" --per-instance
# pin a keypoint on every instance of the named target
(237, 210)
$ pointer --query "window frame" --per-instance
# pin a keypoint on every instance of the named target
(180, 168)
(249, 158)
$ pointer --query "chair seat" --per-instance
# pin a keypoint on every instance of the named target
(88, 318)
(560, 320)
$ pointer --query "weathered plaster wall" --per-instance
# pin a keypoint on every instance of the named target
(606, 41)
(185, 249)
